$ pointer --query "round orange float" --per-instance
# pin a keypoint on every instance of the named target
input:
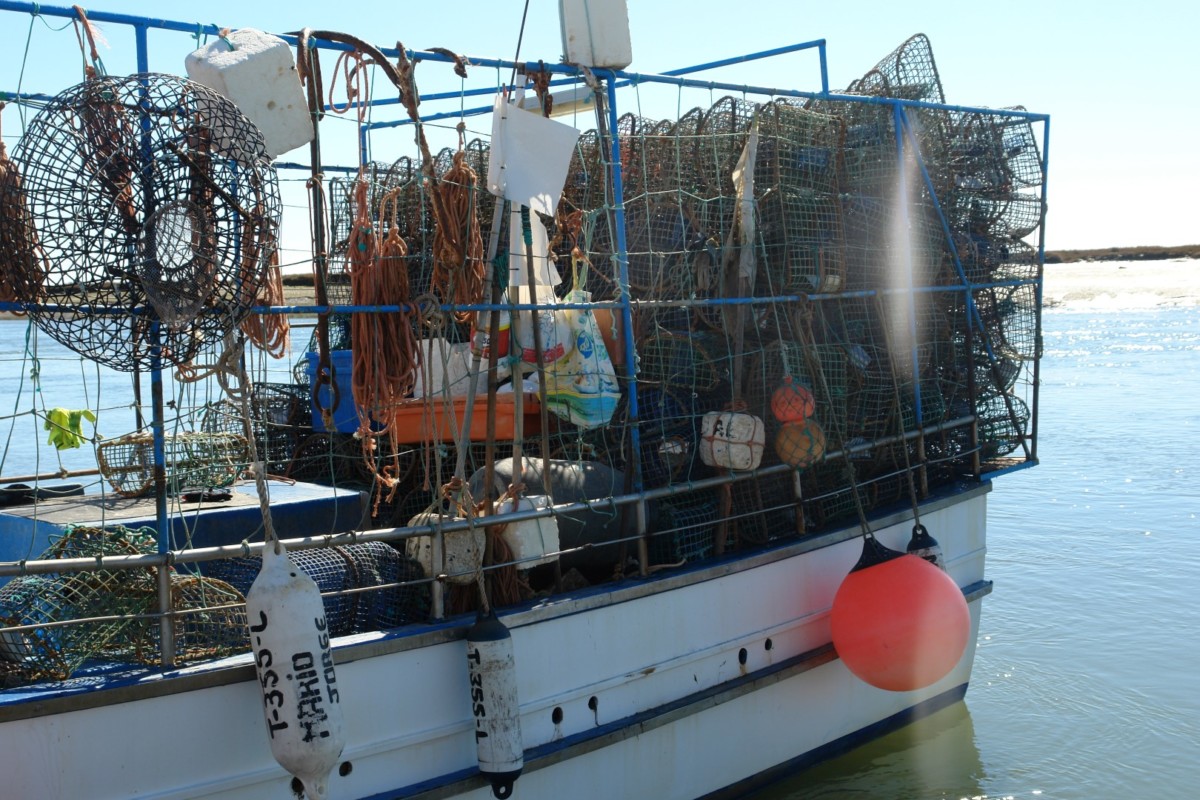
(800, 443)
(792, 402)
(899, 624)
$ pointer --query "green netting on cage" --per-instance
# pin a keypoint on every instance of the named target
(209, 621)
(281, 418)
(1003, 420)
(797, 182)
(697, 362)
(763, 508)
(683, 528)
(56, 652)
(827, 496)
(193, 460)
(908, 72)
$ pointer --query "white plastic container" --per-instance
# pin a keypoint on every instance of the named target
(595, 33)
(260, 77)
(533, 538)
(462, 550)
(442, 362)
(732, 440)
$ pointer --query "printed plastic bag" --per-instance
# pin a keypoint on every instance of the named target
(582, 387)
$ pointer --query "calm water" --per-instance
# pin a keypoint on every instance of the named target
(1087, 678)
(1085, 683)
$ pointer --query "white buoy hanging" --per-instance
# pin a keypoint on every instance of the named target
(290, 640)
(494, 703)
(923, 545)
(289, 637)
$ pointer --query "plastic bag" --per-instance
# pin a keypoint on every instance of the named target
(582, 386)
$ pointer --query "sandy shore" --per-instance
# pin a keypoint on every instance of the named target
(1122, 284)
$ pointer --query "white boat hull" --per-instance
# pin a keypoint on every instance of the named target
(674, 687)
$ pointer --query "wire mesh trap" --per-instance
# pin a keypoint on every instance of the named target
(195, 460)
(152, 211)
(210, 620)
(338, 571)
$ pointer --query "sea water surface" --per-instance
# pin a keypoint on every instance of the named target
(1087, 677)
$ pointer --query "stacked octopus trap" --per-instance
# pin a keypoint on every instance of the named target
(796, 311)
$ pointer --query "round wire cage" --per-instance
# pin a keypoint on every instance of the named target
(155, 210)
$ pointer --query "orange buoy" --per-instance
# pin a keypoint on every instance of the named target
(800, 444)
(792, 402)
(899, 623)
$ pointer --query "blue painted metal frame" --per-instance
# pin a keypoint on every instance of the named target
(615, 79)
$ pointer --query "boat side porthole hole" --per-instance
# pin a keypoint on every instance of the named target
(345, 768)
(768, 644)
(556, 715)
(742, 656)
(297, 787)
(593, 702)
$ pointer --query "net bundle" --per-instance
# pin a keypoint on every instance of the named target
(396, 594)
(115, 606)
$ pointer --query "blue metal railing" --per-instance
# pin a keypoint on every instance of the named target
(906, 142)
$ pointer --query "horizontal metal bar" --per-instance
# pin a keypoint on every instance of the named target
(562, 69)
(49, 476)
(247, 549)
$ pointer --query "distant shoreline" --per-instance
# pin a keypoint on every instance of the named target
(1073, 276)
(1145, 253)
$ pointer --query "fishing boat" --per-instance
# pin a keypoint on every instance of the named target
(612, 455)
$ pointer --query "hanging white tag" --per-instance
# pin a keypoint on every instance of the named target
(743, 181)
(530, 156)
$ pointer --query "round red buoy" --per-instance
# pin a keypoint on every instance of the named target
(899, 624)
(792, 402)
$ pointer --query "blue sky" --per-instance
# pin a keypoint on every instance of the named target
(1115, 78)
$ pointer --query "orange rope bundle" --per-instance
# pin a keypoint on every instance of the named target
(271, 333)
(458, 266)
(386, 351)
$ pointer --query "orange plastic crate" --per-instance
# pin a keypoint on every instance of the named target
(425, 419)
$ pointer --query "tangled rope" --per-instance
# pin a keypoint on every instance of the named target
(458, 265)
(270, 333)
(387, 353)
(507, 587)
(227, 369)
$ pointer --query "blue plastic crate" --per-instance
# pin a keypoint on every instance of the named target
(345, 416)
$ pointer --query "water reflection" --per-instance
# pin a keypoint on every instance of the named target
(935, 757)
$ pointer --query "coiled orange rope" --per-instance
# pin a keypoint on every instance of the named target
(270, 333)
(458, 267)
(386, 351)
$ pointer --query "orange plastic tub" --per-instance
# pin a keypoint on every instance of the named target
(425, 419)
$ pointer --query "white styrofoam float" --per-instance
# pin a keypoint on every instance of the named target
(595, 33)
(256, 71)
(731, 440)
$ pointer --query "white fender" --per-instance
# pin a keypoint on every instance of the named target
(290, 641)
(494, 703)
